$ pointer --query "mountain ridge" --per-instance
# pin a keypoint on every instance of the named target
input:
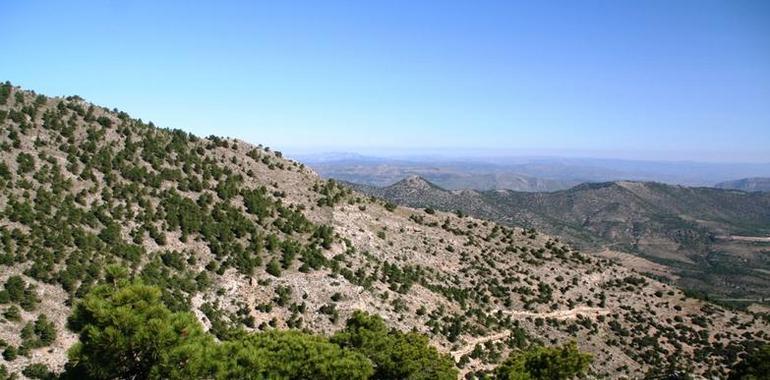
(746, 184)
(657, 221)
(453, 171)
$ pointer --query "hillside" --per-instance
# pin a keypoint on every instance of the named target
(241, 236)
(418, 192)
(708, 239)
(746, 184)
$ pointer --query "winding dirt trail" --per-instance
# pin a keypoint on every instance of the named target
(585, 311)
(755, 239)
(468, 348)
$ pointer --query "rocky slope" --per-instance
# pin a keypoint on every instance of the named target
(239, 235)
(705, 236)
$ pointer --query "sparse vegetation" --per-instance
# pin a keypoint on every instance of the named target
(218, 235)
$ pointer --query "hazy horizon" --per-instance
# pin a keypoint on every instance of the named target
(458, 171)
(491, 155)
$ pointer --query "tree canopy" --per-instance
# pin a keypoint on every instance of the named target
(396, 355)
(545, 363)
(755, 367)
(287, 354)
(126, 331)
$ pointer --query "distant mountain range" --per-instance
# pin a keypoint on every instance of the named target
(534, 174)
(713, 240)
(449, 175)
(747, 184)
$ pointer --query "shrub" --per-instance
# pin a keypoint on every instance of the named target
(45, 330)
(37, 371)
(274, 268)
(755, 367)
(10, 353)
(12, 313)
(26, 163)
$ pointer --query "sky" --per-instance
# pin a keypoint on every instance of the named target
(679, 80)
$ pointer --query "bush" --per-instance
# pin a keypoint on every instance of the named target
(12, 313)
(755, 367)
(274, 268)
(37, 371)
(5, 92)
(5, 172)
(10, 353)
(45, 330)
(26, 163)
(16, 290)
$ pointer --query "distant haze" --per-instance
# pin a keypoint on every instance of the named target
(522, 173)
(524, 154)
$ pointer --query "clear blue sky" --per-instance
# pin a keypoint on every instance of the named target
(653, 79)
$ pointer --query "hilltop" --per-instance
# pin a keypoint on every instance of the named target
(241, 236)
(746, 184)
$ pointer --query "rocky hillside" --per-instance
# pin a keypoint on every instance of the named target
(241, 236)
(746, 184)
(703, 237)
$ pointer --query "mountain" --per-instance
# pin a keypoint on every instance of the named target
(243, 238)
(422, 193)
(712, 240)
(746, 184)
(449, 175)
(531, 174)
